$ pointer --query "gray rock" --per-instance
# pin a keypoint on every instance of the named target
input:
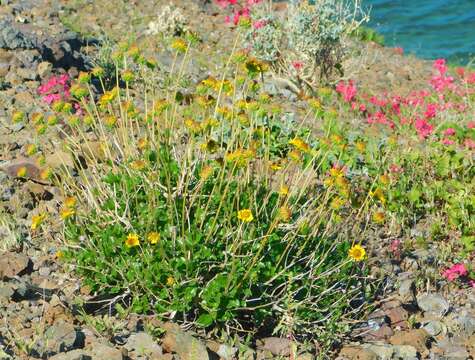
(433, 304)
(101, 351)
(61, 337)
(464, 322)
(142, 344)
(405, 352)
(383, 351)
(72, 355)
(6, 291)
(434, 327)
(406, 290)
(12, 38)
(44, 69)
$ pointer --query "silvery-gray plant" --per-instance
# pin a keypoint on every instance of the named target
(306, 44)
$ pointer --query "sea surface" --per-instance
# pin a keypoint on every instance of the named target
(429, 29)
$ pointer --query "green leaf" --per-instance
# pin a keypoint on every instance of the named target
(205, 320)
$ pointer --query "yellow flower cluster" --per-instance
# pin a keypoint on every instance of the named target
(240, 157)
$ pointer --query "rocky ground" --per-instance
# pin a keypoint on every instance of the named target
(46, 313)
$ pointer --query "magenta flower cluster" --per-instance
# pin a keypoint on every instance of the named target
(57, 88)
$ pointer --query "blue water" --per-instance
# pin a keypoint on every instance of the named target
(428, 28)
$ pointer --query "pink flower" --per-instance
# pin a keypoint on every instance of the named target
(440, 66)
(244, 13)
(395, 169)
(298, 65)
(348, 91)
(471, 78)
(447, 142)
(423, 128)
(225, 3)
(399, 50)
(471, 125)
(431, 111)
(253, 2)
(259, 24)
(471, 283)
(51, 98)
(362, 107)
(455, 271)
(469, 144)
(460, 71)
(449, 132)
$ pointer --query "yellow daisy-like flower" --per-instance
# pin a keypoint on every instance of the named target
(21, 172)
(66, 213)
(45, 174)
(36, 221)
(138, 165)
(206, 172)
(275, 166)
(153, 238)
(284, 190)
(384, 179)
(170, 281)
(379, 217)
(132, 240)
(295, 155)
(378, 194)
(31, 149)
(142, 143)
(360, 146)
(245, 215)
(70, 202)
(285, 213)
(179, 45)
(357, 253)
(300, 144)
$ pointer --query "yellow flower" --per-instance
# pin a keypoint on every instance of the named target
(66, 213)
(285, 213)
(337, 203)
(336, 172)
(153, 238)
(52, 120)
(59, 254)
(384, 179)
(31, 149)
(170, 281)
(179, 45)
(110, 120)
(245, 215)
(45, 174)
(193, 125)
(300, 144)
(70, 202)
(138, 165)
(142, 143)
(357, 253)
(132, 240)
(284, 190)
(36, 221)
(295, 155)
(21, 172)
(337, 138)
(18, 116)
(206, 172)
(360, 146)
(275, 166)
(378, 194)
(378, 217)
